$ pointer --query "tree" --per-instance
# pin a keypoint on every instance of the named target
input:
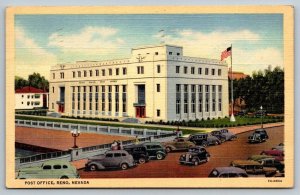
(34, 80)
(264, 88)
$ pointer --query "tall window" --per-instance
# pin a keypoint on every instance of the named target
(117, 71)
(157, 87)
(109, 97)
(103, 98)
(85, 73)
(52, 89)
(91, 98)
(97, 73)
(91, 73)
(110, 72)
(74, 74)
(199, 70)
(140, 69)
(200, 101)
(206, 71)
(186, 99)
(158, 68)
(213, 94)
(213, 71)
(206, 98)
(78, 98)
(96, 98)
(158, 113)
(84, 98)
(178, 98)
(124, 98)
(185, 70)
(219, 72)
(220, 97)
(177, 69)
(79, 73)
(53, 75)
(73, 98)
(124, 71)
(117, 98)
(62, 75)
(103, 72)
(193, 98)
(192, 70)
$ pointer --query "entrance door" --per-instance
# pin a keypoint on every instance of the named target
(140, 112)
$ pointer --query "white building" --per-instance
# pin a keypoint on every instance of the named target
(155, 83)
(30, 98)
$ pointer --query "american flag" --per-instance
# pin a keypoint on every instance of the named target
(226, 53)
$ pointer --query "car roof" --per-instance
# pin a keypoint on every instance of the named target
(116, 151)
(245, 162)
(55, 162)
(230, 170)
(259, 130)
(259, 157)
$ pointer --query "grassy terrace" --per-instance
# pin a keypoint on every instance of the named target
(186, 126)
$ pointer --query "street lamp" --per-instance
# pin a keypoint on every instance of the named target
(75, 133)
(261, 116)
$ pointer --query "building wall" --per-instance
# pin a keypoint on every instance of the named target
(162, 102)
(28, 100)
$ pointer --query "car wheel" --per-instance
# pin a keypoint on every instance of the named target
(64, 177)
(93, 167)
(204, 144)
(124, 166)
(142, 160)
(168, 149)
(207, 159)
(196, 162)
(159, 156)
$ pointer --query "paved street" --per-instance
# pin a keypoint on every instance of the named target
(221, 155)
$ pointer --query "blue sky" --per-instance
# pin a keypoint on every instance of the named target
(44, 40)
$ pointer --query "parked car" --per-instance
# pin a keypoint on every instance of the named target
(111, 159)
(228, 172)
(138, 152)
(268, 161)
(241, 113)
(178, 144)
(203, 139)
(155, 150)
(258, 136)
(253, 167)
(277, 154)
(279, 147)
(223, 135)
(56, 169)
(194, 156)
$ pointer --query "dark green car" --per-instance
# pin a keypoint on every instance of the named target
(155, 150)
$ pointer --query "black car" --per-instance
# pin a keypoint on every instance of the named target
(195, 156)
(258, 136)
(139, 153)
(155, 150)
(223, 135)
(203, 139)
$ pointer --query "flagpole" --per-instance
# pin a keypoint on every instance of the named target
(232, 119)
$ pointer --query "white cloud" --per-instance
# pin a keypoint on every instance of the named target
(210, 45)
(88, 41)
(30, 57)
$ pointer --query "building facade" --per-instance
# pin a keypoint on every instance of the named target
(30, 98)
(155, 83)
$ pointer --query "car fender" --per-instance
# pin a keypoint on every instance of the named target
(99, 165)
(170, 146)
(161, 152)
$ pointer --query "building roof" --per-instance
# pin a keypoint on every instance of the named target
(29, 89)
